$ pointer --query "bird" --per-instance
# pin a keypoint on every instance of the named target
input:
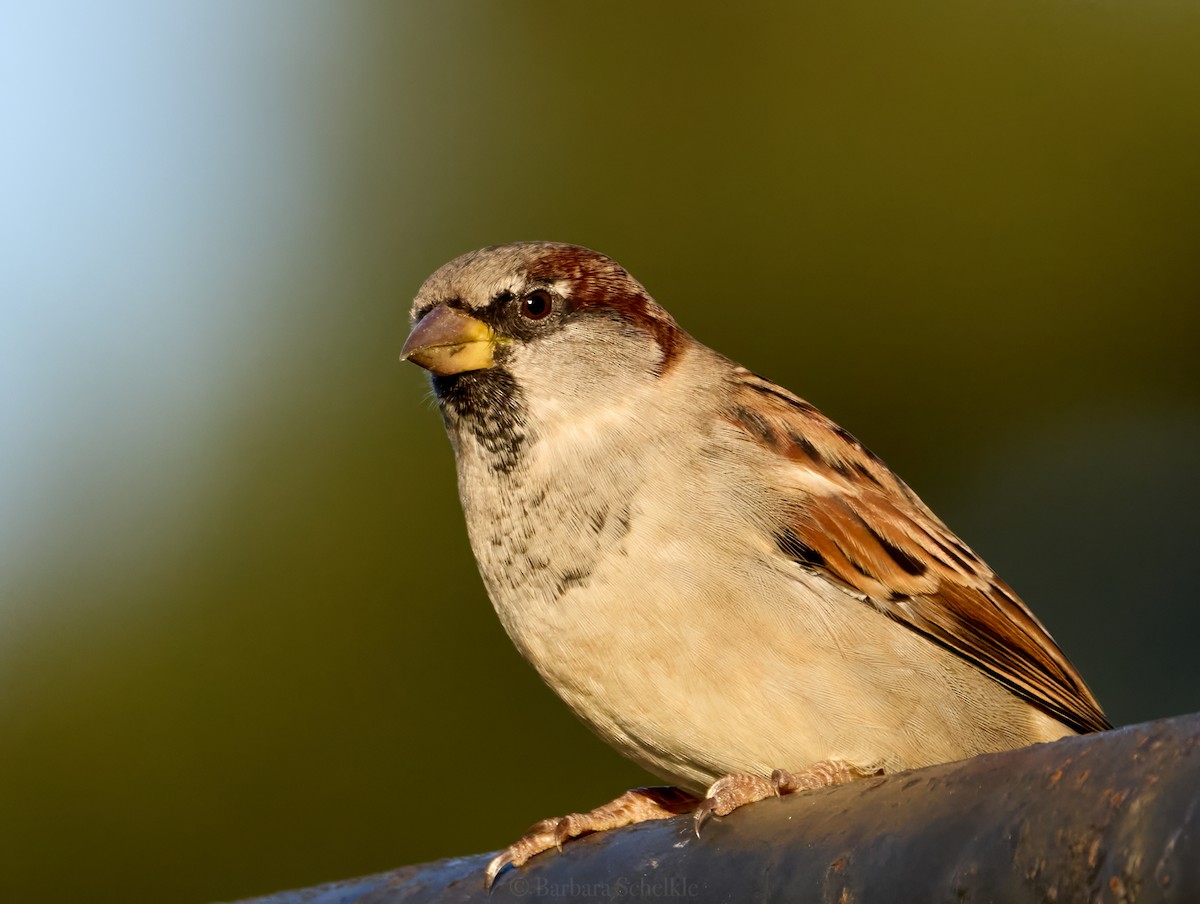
(718, 579)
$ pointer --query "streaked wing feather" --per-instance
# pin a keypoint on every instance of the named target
(859, 525)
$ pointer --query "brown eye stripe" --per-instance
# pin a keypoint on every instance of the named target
(598, 283)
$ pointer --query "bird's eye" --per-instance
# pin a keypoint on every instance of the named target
(537, 305)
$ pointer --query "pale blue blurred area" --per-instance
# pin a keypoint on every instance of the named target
(158, 174)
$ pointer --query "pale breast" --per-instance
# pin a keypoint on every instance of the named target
(672, 626)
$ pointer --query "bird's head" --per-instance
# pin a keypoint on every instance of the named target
(524, 337)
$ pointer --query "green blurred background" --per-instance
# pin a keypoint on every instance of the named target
(243, 645)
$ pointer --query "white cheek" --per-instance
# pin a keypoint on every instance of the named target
(585, 387)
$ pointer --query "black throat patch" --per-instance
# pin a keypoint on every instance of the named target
(489, 405)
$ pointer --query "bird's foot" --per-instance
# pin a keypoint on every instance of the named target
(732, 791)
(636, 805)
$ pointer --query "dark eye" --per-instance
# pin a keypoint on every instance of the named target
(537, 305)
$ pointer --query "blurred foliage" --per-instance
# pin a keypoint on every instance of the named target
(243, 644)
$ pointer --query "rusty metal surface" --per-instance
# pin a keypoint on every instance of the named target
(1110, 817)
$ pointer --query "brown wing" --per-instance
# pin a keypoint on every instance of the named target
(856, 523)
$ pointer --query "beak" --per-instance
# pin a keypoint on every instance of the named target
(446, 341)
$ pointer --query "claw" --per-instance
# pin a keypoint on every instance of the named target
(495, 865)
(634, 806)
(784, 782)
(703, 814)
(562, 833)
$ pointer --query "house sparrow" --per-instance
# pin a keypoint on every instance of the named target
(719, 580)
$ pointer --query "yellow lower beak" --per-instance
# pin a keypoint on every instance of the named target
(446, 341)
